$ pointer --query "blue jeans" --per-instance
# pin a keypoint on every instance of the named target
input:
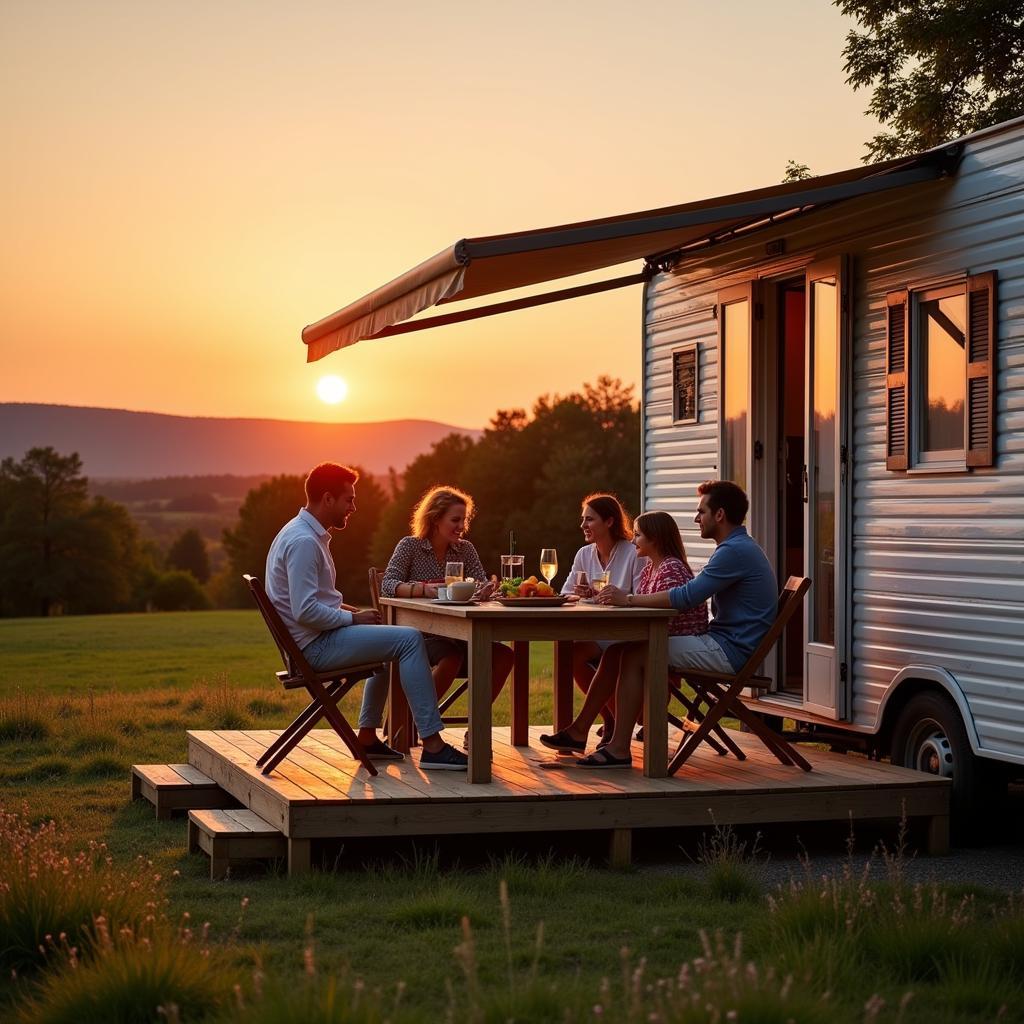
(355, 645)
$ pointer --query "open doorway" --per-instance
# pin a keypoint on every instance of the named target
(792, 313)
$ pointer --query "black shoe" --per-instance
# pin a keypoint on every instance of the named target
(561, 740)
(602, 759)
(378, 750)
(447, 759)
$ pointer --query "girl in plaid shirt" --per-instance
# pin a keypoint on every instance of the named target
(656, 538)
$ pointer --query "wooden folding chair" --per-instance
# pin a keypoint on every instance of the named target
(720, 691)
(693, 709)
(375, 577)
(326, 689)
(694, 715)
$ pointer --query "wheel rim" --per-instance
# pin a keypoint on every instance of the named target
(929, 750)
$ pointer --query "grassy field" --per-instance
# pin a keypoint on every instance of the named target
(511, 928)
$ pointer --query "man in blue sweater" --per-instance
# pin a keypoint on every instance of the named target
(744, 601)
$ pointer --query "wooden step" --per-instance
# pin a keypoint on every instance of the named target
(177, 787)
(232, 836)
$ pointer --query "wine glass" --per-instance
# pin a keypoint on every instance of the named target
(453, 572)
(599, 581)
(548, 563)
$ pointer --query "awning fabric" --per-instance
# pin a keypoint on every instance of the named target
(498, 263)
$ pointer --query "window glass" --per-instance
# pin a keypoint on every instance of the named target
(942, 363)
(824, 351)
(736, 368)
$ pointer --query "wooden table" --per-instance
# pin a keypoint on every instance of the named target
(483, 624)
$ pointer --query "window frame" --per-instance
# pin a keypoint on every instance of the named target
(950, 459)
(903, 388)
(731, 297)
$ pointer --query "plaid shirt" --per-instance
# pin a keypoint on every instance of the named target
(673, 573)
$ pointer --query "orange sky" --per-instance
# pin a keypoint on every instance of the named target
(186, 185)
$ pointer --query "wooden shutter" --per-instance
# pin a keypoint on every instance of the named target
(980, 418)
(897, 378)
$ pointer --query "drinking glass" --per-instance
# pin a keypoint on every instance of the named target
(599, 582)
(453, 572)
(512, 566)
(548, 563)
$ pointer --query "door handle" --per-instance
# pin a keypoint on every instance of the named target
(805, 485)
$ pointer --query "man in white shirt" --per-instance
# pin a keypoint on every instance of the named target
(302, 584)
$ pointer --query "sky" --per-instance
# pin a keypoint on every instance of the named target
(185, 186)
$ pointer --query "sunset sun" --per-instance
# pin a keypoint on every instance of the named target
(331, 390)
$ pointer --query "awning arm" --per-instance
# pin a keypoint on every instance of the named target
(512, 304)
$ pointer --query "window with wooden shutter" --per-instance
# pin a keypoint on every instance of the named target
(980, 421)
(897, 399)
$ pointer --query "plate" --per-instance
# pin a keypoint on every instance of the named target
(469, 600)
(533, 602)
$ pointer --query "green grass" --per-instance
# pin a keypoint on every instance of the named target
(402, 931)
(135, 653)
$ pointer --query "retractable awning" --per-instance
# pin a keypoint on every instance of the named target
(497, 263)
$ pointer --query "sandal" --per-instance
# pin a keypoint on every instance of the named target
(561, 740)
(600, 758)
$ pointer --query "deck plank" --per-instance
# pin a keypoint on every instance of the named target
(320, 791)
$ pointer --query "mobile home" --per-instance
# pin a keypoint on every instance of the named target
(850, 348)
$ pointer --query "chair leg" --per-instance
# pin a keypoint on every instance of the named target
(345, 731)
(781, 748)
(784, 751)
(694, 714)
(312, 710)
(294, 733)
(688, 724)
(452, 697)
(690, 742)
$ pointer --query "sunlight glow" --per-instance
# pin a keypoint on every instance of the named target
(331, 390)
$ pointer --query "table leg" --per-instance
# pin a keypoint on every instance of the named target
(399, 717)
(563, 684)
(480, 702)
(655, 715)
(521, 694)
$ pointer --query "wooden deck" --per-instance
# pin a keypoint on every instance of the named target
(320, 792)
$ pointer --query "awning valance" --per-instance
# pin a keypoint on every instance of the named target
(499, 263)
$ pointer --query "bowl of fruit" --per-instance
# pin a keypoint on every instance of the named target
(528, 593)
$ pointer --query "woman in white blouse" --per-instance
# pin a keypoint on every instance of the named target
(609, 552)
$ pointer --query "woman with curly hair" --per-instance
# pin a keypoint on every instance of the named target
(439, 525)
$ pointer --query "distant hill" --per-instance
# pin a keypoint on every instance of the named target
(118, 444)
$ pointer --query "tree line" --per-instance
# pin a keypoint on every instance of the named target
(62, 551)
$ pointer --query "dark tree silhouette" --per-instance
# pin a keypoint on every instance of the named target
(59, 551)
(938, 69)
(188, 553)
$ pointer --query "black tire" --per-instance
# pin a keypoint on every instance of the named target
(930, 736)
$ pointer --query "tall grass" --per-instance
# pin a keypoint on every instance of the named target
(128, 977)
(927, 941)
(51, 897)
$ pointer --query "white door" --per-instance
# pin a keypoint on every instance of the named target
(825, 490)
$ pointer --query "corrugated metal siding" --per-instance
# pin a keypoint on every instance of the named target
(678, 458)
(938, 560)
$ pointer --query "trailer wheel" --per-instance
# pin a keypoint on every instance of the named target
(929, 735)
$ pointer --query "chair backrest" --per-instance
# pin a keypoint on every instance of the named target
(294, 662)
(789, 601)
(375, 576)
